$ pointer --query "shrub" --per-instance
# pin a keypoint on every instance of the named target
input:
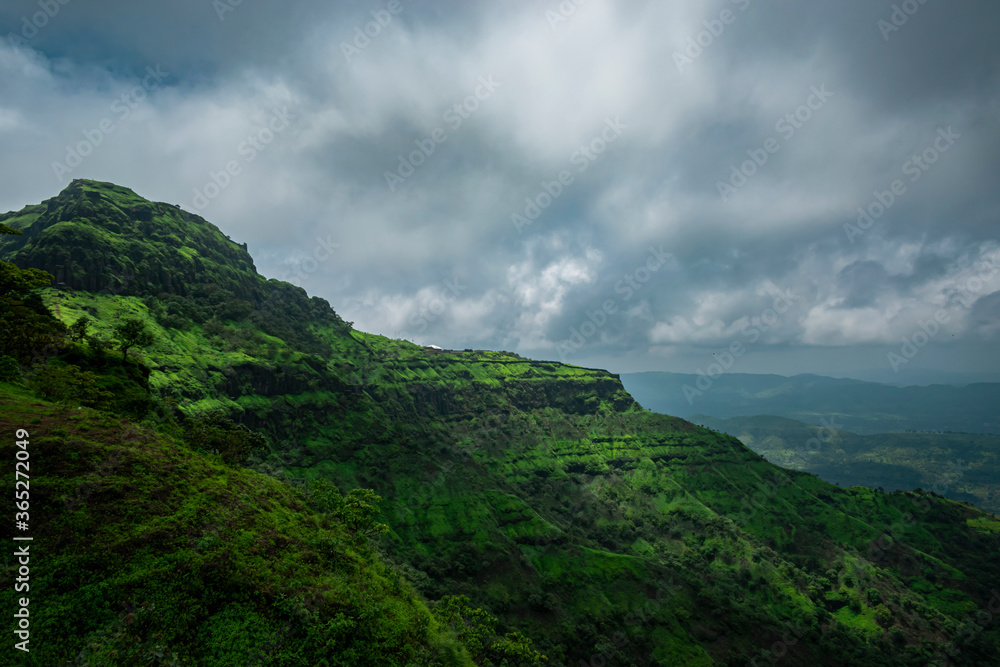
(68, 384)
(9, 370)
(217, 433)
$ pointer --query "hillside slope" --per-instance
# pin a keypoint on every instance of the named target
(541, 491)
(143, 551)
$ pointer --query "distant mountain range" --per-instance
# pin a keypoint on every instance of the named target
(960, 466)
(853, 405)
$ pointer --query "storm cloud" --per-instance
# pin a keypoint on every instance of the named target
(631, 185)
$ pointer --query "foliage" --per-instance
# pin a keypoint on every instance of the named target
(477, 629)
(324, 497)
(16, 283)
(132, 332)
(9, 370)
(358, 511)
(4, 229)
(217, 433)
(26, 327)
(68, 384)
(78, 330)
(158, 555)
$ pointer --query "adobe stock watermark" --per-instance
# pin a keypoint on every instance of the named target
(247, 151)
(581, 158)
(562, 13)
(31, 25)
(597, 319)
(363, 35)
(122, 108)
(786, 126)
(915, 168)
(753, 331)
(927, 330)
(322, 251)
(454, 117)
(900, 15)
(433, 308)
(714, 28)
(223, 7)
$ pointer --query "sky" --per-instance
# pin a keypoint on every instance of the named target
(724, 185)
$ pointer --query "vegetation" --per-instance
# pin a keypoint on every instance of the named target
(131, 332)
(494, 510)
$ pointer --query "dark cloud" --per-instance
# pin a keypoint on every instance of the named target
(747, 163)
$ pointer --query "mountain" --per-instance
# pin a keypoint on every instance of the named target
(524, 506)
(960, 466)
(860, 407)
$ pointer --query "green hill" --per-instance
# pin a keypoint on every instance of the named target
(541, 491)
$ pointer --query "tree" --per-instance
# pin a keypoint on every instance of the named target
(477, 630)
(16, 283)
(78, 330)
(68, 384)
(132, 332)
(218, 433)
(358, 512)
(883, 615)
(9, 371)
(26, 325)
(323, 496)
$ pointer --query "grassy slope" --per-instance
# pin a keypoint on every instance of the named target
(547, 495)
(139, 539)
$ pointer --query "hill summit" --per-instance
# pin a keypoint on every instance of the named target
(99, 236)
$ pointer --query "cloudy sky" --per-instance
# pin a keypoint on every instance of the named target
(629, 185)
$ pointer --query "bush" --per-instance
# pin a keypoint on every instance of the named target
(68, 384)
(9, 370)
(217, 433)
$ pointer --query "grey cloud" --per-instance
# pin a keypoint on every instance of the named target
(656, 184)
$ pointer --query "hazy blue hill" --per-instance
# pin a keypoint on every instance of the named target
(861, 407)
(961, 466)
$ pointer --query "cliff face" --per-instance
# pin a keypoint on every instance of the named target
(543, 491)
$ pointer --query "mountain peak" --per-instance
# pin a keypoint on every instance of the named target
(99, 236)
